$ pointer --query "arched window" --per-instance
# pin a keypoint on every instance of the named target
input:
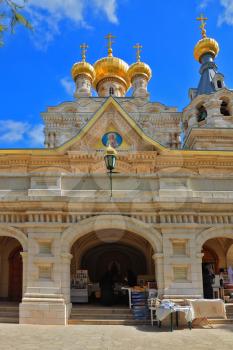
(202, 114)
(111, 91)
(219, 84)
(224, 108)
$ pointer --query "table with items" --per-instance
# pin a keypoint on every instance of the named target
(161, 310)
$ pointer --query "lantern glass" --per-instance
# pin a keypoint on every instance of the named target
(110, 161)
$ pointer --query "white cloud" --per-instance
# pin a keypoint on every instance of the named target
(36, 135)
(12, 132)
(204, 4)
(227, 15)
(68, 85)
(109, 7)
(47, 15)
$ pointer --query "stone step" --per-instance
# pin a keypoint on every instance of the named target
(101, 311)
(9, 308)
(101, 317)
(107, 322)
(221, 321)
(9, 320)
(9, 313)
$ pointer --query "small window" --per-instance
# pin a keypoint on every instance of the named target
(202, 114)
(180, 273)
(111, 91)
(219, 84)
(224, 108)
(45, 272)
(179, 248)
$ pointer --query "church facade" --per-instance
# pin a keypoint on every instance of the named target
(171, 206)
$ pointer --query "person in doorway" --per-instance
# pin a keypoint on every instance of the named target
(221, 282)
(230, 274)
(132, 279)
(208, 279)
(107, 290)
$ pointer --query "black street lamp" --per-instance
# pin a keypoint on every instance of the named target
(110, 162)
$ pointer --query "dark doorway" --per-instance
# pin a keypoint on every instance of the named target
(15, 275)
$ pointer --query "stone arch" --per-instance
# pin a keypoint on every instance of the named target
(213, 232)
(15, 233)
(92, 244)
(230, 256)
(49, 170)
(101, 222)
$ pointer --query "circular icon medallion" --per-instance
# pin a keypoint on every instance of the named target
(112, 139)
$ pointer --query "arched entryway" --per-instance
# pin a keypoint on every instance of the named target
(217, 262)
(136, 231)
(121, 256)
(109, 255)
(11, 269)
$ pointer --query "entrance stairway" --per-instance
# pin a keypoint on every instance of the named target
(229, 313)
(99, 315)
(229, 309)
(9, 312)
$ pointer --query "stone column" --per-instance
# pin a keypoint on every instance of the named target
(139, 84)
(230, 107)
(65, 281)
(199, 257)
(65, 275)
(213, 112)
(83, 86)
(24, 256)
(43, 301)
(192, 119)
(159, 268)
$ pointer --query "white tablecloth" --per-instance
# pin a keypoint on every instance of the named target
(163, 312)
(208, 308)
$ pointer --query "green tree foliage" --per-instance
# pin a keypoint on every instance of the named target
(10, 16)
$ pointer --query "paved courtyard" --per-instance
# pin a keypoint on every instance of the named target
(16, 337)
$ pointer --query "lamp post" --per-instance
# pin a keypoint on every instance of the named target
(110, 162)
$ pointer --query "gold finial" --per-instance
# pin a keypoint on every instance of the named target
(138, 48)
(83, 48)
(110, 38)
(203, 20)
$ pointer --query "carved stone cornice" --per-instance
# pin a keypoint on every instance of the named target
(178, 219)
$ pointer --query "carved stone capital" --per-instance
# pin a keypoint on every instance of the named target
(66, 257)
(157, 256)
(24, 255)
(200, 255)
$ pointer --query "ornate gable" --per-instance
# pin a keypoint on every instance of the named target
(111, 119)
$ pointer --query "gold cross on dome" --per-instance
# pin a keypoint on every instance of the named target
(83, 48)
(110, 38)
(138, 48)
(203, 20)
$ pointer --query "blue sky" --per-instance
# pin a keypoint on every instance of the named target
(35, 67)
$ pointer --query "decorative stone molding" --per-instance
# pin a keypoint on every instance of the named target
(200, 255)
(157, 256)
(213, 232)
(74, 218)
(102, 222)
(66, 257)
(15, 233)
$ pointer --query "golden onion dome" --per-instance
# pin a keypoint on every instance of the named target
(139, 68)
(204, 46)
(83, 68)
(111, 67)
